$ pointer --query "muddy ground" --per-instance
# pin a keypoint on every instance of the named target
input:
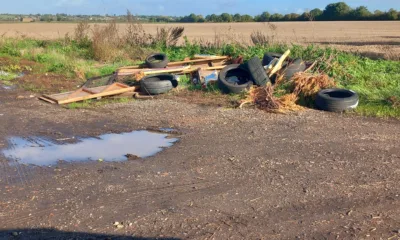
(234, 174)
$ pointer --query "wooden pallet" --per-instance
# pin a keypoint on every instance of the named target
(88, 93)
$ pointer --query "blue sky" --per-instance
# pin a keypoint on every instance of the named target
(179, 7)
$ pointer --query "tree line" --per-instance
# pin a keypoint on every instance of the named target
(339, 11)
(333, 12)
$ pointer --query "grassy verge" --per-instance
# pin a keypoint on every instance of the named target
(376, 81)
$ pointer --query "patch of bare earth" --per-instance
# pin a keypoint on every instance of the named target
(235, 173)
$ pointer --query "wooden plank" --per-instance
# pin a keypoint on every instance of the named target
(205, 56)
(47, 100)
(86, 90)
(74, 94)
(102, 94)
(109, 87)
(146, 73)
(194, 69)
(125, 95)
(121, 85)
(196, 61)
(278, 65)
(50, 97)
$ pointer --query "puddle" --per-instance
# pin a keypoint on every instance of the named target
(108, 147)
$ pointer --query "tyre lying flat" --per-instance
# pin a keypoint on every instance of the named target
(158, 84)
(336, 100)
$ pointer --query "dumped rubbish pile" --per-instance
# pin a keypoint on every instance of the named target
(258, 77)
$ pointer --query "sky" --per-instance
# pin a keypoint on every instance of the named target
(180, 7)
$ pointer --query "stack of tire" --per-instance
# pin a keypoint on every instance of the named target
(253, 73)
(236, 78)
(158, 83)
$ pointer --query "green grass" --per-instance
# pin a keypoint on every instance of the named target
(374, 80)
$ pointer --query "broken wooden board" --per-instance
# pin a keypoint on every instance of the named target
(205, 56)
(211, 61)
(195, 69)
(215, 61)
(149, 71)
(278, 65)
(88, 93)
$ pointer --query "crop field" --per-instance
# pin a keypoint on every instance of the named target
(373, 39)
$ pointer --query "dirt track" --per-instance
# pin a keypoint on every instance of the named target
(375, 39)
(234, 174)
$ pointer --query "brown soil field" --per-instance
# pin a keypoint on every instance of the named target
(380, 39)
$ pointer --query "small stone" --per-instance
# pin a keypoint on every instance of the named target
(349, 212)
(397, 231)
(15, 234)
(58, 189)
(20, 97)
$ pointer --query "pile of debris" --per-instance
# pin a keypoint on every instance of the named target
(156, 76)
(258, 77)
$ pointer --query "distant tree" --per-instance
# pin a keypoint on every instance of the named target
(200, 18)
(226, 17)
(361, 13)
(316, 13)
(46, 18)
(192, 18)
(286, 17)
(392, 14)
(247, 18)
(336, 11)
(212, 18)
(237, 17)
(378, 15)
(294, 16)
(276, 17)
(264, 17)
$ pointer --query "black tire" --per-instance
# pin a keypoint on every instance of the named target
(298, 65)
(230, 71)
(268, 57)
(336, 100)
(257, 71)
(158, 84)
(157, 60)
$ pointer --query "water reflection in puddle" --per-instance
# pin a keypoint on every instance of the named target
(108, 147)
